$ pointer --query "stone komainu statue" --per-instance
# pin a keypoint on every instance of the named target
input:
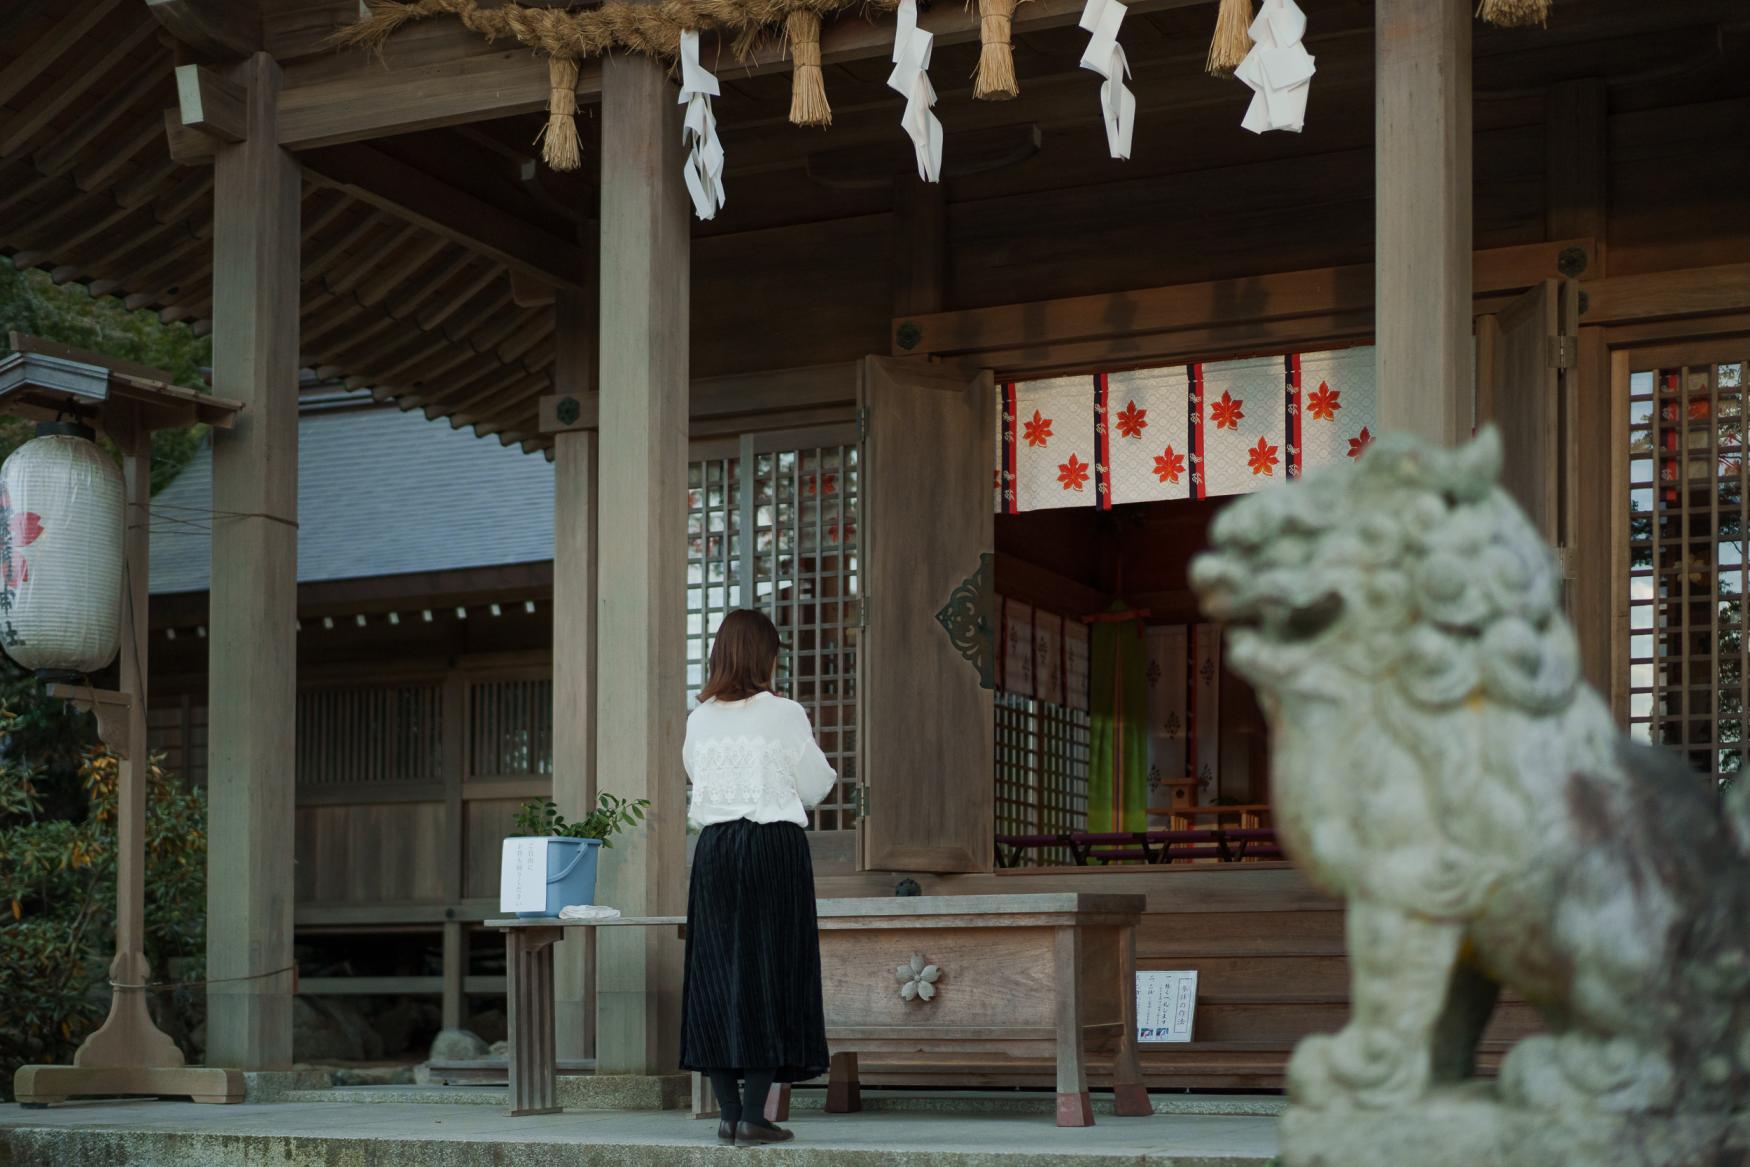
(1440, 765)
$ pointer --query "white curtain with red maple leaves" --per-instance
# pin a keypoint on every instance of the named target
(1182, 431)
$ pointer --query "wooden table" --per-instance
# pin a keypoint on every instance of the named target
(1026, 976)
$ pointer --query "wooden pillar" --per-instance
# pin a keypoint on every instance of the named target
(641, 659)
(574, 646)
(920, 246)
(1576, 119)
(253, 649)
(1422, 190)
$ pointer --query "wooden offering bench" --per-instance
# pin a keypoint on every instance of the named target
(1048, 976)
(1042, 976)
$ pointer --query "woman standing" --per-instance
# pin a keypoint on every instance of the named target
(751, 1000)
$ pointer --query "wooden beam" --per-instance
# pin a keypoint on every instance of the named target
(1576, 122)
(220, 29)
(645, 280)
(253, 683)
(1317, 293)
(50, 100)
(440, 74)
(742, 396)
(43, 52)
(391, 185)
(210, 104)
(1423, 215)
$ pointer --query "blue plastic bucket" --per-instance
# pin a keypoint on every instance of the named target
(570, 874)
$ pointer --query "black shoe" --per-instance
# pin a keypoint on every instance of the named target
(726, 1131)
(759, 1132)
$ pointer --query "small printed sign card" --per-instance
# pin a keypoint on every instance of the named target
(1166, 1002)
(522, 877)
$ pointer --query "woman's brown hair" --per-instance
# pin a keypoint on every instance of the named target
(743, 657)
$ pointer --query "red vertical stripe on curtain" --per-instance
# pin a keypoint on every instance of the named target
(1194, 416)
(1291, 416)
(1011, 495)
(1102, 445)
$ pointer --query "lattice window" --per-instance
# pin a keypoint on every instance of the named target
(713, 560)
(369, 734)
(1687, 661)
(784, 540)
(510, 725)
(1042, 773)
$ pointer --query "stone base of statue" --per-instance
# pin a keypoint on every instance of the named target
(1470, 1126)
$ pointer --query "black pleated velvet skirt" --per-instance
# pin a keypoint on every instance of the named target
(751, 998)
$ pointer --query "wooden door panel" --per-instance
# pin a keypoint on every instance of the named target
(926, 721)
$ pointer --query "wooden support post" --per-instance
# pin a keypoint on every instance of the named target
(253, 648)
(920, 245)
(844, 1094)
(1129, 1090)
(455, 1001)
(575, 457)
(1074, 1107)
(528, 969)
(1422, 191)
(1576, 120)
(641, 622)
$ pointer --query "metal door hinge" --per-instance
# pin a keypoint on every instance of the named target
(863, 612)
(1565, 556)
(863, 425)
(862, 802)
(1561, 352)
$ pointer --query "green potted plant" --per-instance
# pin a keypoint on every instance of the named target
(572, 847)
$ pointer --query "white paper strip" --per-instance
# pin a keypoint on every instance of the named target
(1278, 70)
(704, 167)
(911, 80)
(1105, 56)
(522, 876)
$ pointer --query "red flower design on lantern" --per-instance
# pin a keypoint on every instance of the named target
(1038, 431)
(1227, 412)
(1132, 421)
(1168, 465)
(1359, 444)
(1073, 473)
(1262, 458)
(22, 529)
(1323, 404)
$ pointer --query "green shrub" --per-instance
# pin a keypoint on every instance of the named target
(57, 901)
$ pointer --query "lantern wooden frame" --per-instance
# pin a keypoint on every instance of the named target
(42, 380)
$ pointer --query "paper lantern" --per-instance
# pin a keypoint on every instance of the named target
(61, 507)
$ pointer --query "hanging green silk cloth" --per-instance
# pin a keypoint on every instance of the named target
(1118, 705)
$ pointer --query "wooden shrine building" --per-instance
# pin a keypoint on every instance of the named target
(800, 404)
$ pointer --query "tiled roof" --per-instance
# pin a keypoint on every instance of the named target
(380, 492)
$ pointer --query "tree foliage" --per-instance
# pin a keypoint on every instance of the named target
(58, 886)
(32, 303)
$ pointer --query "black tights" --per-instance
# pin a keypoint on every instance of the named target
(756, 1084)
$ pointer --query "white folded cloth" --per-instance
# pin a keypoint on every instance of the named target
(588, 912)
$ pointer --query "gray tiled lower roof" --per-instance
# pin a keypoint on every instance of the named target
(380, 492)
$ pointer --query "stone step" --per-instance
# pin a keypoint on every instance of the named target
(392, 1134)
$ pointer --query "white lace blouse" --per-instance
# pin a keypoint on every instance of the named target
(755, 759)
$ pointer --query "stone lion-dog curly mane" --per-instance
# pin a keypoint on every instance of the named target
(1441, 766)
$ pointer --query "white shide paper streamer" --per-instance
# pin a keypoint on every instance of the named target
(1105, 56)
(911, 80)
(704, 167)
(1279, 70)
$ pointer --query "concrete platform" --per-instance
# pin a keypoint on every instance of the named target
(426, 1134)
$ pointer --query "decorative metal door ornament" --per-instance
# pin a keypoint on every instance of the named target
(970, 618)
(917, 980)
